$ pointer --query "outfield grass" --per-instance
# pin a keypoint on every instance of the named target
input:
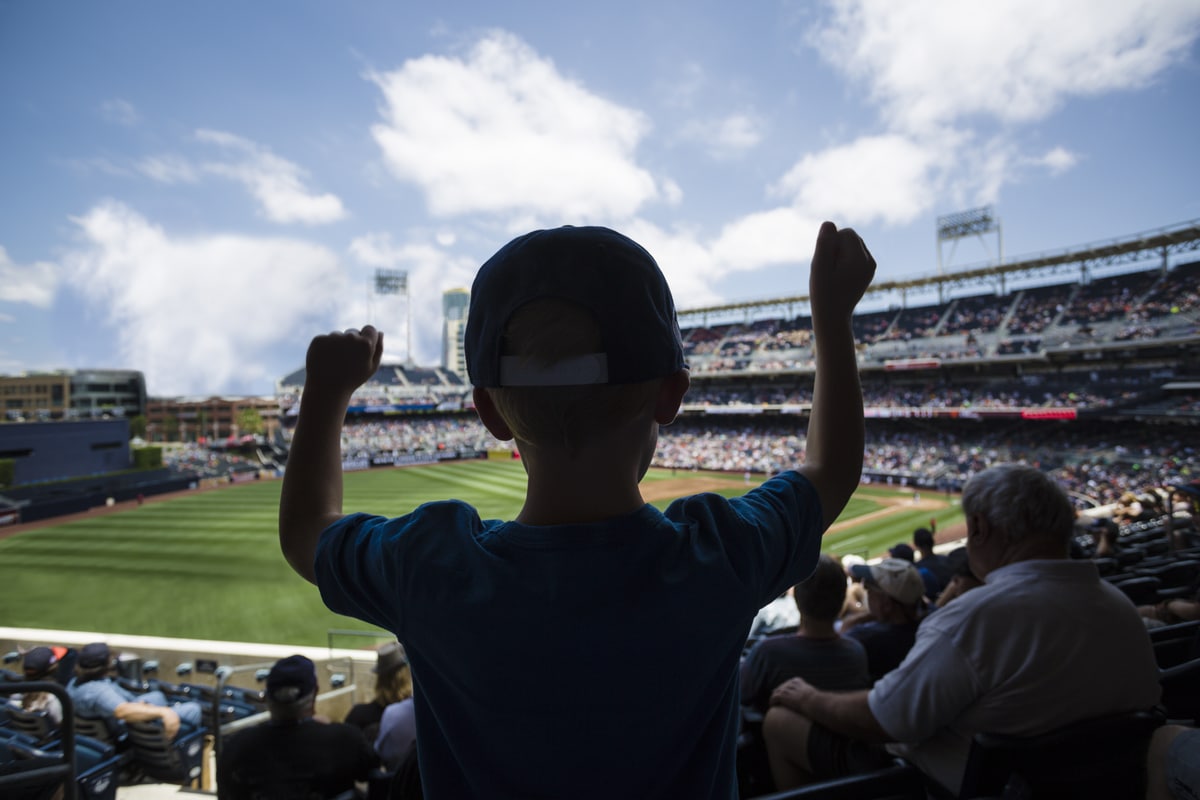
(207, 565)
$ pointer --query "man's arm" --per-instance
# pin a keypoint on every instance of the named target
(842, 268)
(847, 713)
(311, 497)
(147, 712)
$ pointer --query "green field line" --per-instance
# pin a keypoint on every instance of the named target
(207, 564)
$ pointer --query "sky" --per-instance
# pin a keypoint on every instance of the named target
(194, 190)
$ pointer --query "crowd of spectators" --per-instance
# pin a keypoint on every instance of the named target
(1123, 308)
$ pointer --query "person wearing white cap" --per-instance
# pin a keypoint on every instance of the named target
(894, 592)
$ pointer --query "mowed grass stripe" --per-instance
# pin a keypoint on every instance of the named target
(207, 564)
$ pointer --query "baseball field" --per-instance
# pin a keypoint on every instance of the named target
(206, 564)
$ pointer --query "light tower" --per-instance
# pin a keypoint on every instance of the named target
(395, 282)
(973, 222)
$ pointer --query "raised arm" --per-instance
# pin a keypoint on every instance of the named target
(842, 268)
(311, 499)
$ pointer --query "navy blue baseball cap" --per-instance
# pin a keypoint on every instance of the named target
(606, 273)
(293, 672)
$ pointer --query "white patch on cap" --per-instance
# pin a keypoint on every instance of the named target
(576, 371)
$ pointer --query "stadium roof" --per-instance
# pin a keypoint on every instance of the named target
(1160, 243)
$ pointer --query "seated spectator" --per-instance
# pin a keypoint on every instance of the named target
(1176, 609)
(815, 652)
(397, 732)
(935, 569)
(393, 683)
(39, 664)
(854, 610)
(96, 694)
(894, 600)
(904, 551)
(992, 660)
(293, 755)
(962, 580)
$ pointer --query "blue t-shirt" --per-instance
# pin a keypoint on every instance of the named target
(590, 660)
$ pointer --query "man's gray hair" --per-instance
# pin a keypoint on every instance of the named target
(1022, 502)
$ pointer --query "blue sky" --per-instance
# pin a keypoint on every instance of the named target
(196, 189)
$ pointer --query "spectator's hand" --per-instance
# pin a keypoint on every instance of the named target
(842, 269)
(170, 723)
(344, 360)
(792, 694)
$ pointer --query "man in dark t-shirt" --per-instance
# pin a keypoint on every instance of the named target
(293, 756)
(815, 651)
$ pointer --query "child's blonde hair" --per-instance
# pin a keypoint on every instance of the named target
(547, 331)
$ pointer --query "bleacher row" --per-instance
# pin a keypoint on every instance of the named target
(1025, 323)
(1139, 305)
(91, 757)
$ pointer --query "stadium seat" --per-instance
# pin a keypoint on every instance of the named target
(1094, 758)
(1142, 590)
(1174, 574)
(169, 761)
(901, 781)
(54, 763)
(35, 724)
(1181, 692)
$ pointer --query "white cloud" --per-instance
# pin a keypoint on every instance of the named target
(199, 314)
(34, 284)
(930, 63)
(727, 137)
(168, 169)
(120, 112)
(1058, 160)
(943, 72)
(502, 131)
(885, 178)
(276, 183)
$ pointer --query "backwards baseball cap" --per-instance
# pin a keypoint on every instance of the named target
(38, 661)
(294, 672)
(95, 655)
(604, 272)
(895, 577)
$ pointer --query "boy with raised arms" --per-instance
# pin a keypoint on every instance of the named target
(590, 646)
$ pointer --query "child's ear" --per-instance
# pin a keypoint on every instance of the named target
(489, 416)
(670, 396)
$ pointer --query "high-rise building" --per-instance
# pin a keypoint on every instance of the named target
(454, 328)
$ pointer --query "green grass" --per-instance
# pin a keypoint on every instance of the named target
(207, 565)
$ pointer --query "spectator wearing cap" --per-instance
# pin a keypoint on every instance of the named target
(293, 754)
(96, 694)
(894, 600)
(397, 728)
(393, 683)
(991, 661)
(39, 664)
(935, 568)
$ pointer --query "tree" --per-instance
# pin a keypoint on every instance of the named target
(249, 420)
(171, 423)
(137, 427)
